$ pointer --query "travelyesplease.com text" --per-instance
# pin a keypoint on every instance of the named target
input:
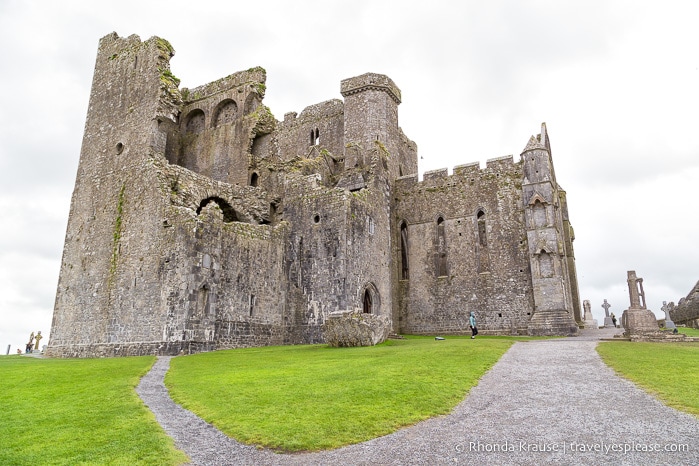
(569, 447)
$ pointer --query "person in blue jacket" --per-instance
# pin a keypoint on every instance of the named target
(472, 324)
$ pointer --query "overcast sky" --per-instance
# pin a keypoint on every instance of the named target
(617, 83)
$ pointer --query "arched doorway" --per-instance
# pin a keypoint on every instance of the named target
(370, 299)
(367, 302)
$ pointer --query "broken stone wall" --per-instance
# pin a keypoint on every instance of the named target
(687, 310)
(319, 126)
(218, 125)
(222, 271)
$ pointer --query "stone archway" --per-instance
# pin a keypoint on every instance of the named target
(367, 302)
(370, 299)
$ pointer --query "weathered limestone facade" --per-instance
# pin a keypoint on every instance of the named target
(198, 221)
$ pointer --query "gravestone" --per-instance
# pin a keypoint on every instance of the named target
(637, 319)
(668, 320)
(30, 344)
(608, 321)
(588, 320)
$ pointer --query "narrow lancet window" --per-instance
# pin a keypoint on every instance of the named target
(441, 249)
(481, 228)
(203, 301)
(404, 251)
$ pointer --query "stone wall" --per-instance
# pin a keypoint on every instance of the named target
(687, 310)
(200, 222)
(549, 243)
(115, 189)
(218, 125)
(472, 223)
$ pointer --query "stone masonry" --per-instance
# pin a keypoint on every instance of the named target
(199, 221)
(687, 310)
(638, 319)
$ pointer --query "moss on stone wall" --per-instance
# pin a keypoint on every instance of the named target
(170, 83)
(167, 76)
(265, 120)
(165, 47)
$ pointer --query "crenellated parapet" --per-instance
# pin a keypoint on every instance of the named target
(470, 174)
(370, 82)
(435, 176)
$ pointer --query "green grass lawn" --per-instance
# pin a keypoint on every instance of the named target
(666, 370)
(296, 398)
(690, 332)
(292, 398)
(78, 412)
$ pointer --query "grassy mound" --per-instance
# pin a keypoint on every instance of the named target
(299, 398)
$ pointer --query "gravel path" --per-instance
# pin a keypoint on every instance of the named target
(544, 402)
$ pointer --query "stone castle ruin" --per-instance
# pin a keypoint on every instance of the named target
(199, 222)
(687, 310)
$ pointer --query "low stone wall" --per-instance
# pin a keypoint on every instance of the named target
(128, 349)
(664, 337)
(244, 334)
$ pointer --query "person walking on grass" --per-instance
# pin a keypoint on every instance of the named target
(472, 324)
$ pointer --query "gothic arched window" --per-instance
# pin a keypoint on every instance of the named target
(315, 137)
